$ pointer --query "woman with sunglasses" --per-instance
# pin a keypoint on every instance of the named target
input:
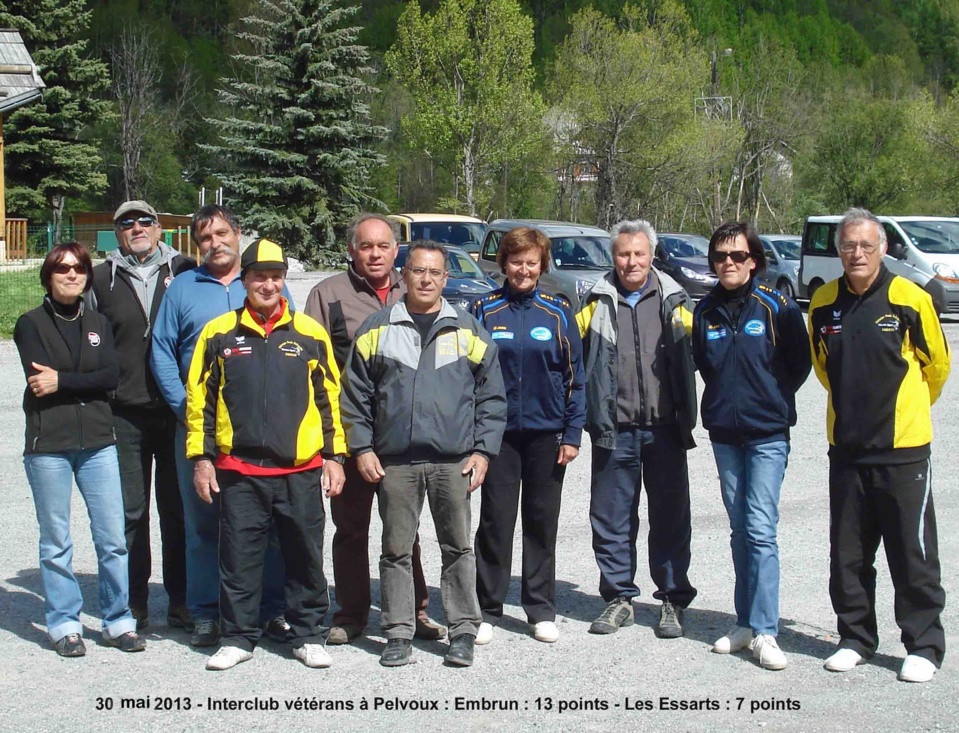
(751, 348)
(71, 367)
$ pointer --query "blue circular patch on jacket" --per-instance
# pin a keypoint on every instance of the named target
(541, 334)
(755, 327)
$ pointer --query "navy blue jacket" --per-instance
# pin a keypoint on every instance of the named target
(751, 372)
(541, 355)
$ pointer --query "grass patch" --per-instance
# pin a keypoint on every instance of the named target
(20, 291)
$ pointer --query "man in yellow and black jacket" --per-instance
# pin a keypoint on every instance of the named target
(262, 415)
(880, 352)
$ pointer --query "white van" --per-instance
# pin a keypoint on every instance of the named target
(923, 249)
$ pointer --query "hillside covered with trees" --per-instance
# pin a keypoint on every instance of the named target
(687, 112)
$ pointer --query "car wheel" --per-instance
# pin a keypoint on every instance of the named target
(785, 287)
(813, 287)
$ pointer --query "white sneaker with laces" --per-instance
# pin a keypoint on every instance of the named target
(484, 634)
(844, 660)
(545, 631)
(313, 655)
(917, 669)
(767, 652)
(736, 639)
(228, 657)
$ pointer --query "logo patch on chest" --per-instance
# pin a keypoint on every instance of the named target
(502, 335)
(755, 327)
(290, 348)
(888, 323)
(93, 338)
(715, 333)
(541, 333)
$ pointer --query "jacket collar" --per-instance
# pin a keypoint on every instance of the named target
(399, 313)
(361, 283)
(251, 322)
(117, 261)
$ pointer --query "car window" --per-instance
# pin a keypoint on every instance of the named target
(788, 248)
(934, 237)
(581, 252)
(770, 256)
(447, 232)
(686, 246)
(818, 239)
(462, 267)
(492, 245)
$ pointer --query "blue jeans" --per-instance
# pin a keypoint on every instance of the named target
(751, 479)
(654, 458)
(98, 476)
(201, 523)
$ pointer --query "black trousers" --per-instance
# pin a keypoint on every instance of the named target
(892, 503)
(524, 476)
(249, 505)
(145, 444)
(351, 512)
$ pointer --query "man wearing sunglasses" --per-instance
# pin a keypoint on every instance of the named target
(640, 413)
(128, 288)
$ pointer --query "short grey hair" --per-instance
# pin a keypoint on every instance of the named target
(367, 216)
(857, 215)
(634, 226)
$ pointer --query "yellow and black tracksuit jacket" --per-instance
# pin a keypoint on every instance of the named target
(883, 359)
(269, 400)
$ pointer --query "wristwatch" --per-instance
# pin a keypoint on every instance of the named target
(337, 459)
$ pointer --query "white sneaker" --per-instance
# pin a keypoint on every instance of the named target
(916, 669)
(484, 634)
(844, 660)
(737, 638)
(767, 652)
(313, 655)
(546, 631)
(228, 657)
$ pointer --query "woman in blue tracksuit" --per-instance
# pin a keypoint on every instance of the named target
(751, 348)
(540, 353)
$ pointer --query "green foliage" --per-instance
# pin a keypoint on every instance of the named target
(468, 68)
(296, 147)
(20, 291)
(51, 153)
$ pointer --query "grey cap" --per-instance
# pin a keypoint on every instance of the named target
(128, 207)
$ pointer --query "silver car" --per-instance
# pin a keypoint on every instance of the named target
(782, 262)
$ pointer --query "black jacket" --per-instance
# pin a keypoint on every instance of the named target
(112, 294)
(77, 416)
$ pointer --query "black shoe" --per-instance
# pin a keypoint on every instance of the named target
(178, 617)
(670, 624)
(277, 629)
(206, 633)
(142, 615)
(128, 642)
(398, 653)
(428, 629)
(70, 645)
(461, 651)
(619, 612)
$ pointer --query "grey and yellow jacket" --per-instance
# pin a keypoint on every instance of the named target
(412, 401)
(272, 399)
(597, 321)
(883, 359)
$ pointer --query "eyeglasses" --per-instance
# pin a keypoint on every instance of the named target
(420, 271)
(143, 221)
(737, 256)
(868, 248)
(63, 269)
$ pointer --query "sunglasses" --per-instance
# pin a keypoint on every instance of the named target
(739, 257)
(63, 269)
(143, 221)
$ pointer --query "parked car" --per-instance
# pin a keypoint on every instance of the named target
(462, 231)
(580, 255)
(684, 257)
(782, 262)
(466, 281)
(922, 249)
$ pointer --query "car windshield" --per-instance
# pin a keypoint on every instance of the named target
(787, 248)
(691, 246)
(583, 253)
(458, 233)
(461, 265)
(933, 237)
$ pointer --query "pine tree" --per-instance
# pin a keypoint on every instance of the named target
(51, 154)
(296, 149)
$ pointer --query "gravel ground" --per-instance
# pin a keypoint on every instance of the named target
(583, 682)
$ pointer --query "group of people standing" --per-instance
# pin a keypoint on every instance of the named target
(380, 388)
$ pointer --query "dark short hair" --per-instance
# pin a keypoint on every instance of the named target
(731, 230)
(55, 257)
(208, 213)
(523, 239)
(427, 245)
